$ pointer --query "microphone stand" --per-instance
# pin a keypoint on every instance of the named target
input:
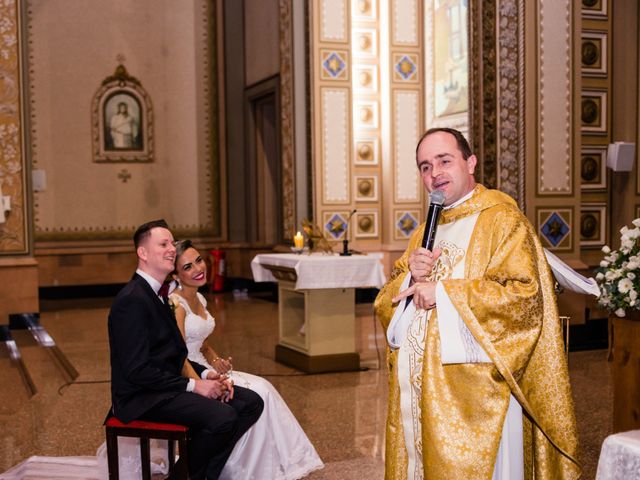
(345, 243)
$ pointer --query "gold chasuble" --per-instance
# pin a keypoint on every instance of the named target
(507, 302)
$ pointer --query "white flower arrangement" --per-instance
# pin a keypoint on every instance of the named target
(618, 275)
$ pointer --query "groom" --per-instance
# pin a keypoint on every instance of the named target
(147, 357)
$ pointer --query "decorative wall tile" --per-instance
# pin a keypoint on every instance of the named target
(366, 151)
(593, 53)
(366, 114)
(596, 9)
(554, 227)
(364, 42)
(406, 132)
(334, 65)
(333, 26)
(593, 167)
(593, 112)
(405, 222)
(335, 140)
(366, 224)
(593, 224)
(365, 79)
(366, 188)
(405, 68)
(364, 10)
(334, 224)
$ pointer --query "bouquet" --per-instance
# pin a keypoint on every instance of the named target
(618, 275)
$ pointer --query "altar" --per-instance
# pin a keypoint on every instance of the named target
(316, 306)
(620, 457)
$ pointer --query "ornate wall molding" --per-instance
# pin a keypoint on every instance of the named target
(555, 98)
(335, 106)
(510, 141)
(14, 232)
(405, 108)
(287, 119)
(483, 88)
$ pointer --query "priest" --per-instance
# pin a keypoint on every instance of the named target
(479, 384)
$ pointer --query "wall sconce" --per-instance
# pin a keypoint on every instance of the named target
(620, 156)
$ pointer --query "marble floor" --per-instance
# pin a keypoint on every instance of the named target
(342, 413)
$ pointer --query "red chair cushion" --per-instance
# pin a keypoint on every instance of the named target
(143, 425)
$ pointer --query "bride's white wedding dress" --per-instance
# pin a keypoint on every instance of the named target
(275, 448)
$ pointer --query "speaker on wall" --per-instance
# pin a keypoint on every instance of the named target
(620, 156)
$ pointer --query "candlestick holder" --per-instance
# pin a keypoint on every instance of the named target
(345, 249)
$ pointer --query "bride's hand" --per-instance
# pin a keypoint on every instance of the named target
(221, 365)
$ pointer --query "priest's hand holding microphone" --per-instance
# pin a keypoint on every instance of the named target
(422, 260)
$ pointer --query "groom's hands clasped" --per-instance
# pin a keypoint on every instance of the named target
(216, 386)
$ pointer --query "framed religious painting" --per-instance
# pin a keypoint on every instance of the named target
(447, 64)
(122, 120)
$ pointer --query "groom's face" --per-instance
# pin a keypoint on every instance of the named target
(158, 251)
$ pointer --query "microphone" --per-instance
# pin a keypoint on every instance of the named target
(436, 202)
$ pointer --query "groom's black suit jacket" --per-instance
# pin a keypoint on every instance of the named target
(147, 351)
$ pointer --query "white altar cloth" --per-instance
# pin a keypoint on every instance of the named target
(620, 457)
(317, 271)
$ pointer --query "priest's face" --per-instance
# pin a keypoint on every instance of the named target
(442, 167)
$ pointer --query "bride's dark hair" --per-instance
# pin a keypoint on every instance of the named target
(181, 247)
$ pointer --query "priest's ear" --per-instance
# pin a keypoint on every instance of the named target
(472, 161)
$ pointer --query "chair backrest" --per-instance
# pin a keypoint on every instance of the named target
(565, 333)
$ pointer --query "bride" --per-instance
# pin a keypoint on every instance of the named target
(275, 447)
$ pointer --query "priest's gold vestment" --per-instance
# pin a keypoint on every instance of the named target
(507, 301)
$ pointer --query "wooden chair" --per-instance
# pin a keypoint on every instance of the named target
(145, 431)
(565, 333)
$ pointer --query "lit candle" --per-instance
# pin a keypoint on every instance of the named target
(298, 240)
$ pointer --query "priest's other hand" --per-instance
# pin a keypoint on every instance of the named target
(424, 295)
(421, 262)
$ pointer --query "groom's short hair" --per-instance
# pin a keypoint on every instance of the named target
(144, 231)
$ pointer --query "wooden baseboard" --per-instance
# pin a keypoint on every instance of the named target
(341, 362)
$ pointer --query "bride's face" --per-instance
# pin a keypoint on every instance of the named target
(191, 269)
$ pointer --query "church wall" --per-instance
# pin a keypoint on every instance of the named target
(261, 34)
(87, 210)
(625, 186)
(368, 84)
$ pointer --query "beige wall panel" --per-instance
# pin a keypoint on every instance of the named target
(335, 145)
(406, 128)
(404, 22)
(261, 31)
(162, 43)
(333, 21)
(555, 97)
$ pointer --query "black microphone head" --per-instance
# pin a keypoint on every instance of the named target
(436, 197)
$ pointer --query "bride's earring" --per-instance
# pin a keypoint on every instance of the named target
(179, 286)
